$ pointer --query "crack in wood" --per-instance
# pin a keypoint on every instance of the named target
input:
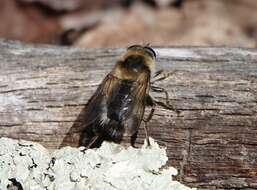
(186, 154)
(21, 89)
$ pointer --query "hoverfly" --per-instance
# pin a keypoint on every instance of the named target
(117, 107)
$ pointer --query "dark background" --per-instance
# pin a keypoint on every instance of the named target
(112, 23)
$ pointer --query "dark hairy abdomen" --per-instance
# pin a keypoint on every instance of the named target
(120, 104)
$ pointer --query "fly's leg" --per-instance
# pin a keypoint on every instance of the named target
(161, 72)
(133, 139)
(162, 90)
(157, 73)
(166, 75)
(92, 141)
(167, 104)
(151, 103)
(146, 134)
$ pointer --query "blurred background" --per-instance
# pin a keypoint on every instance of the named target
(113, 23)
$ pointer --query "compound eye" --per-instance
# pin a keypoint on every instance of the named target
(151, 51)
(134, 47)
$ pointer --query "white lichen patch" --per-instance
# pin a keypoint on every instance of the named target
(109, 167)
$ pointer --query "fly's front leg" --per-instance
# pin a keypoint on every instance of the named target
(157, 73)
(164, 76)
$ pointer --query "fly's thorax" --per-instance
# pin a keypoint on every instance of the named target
(133, 66)
(146, 52)
(139, 57)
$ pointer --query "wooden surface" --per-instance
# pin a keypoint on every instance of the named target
(213, 142)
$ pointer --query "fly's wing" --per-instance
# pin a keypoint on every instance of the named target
(139, 95)
(96, 110)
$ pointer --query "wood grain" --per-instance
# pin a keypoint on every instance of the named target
(44, 90)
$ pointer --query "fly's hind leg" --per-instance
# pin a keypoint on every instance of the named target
(146, 134)
(133, 139)
(150, 102)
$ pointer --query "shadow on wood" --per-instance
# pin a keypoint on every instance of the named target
(81, 132)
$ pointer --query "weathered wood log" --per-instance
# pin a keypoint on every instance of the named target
(44, 90)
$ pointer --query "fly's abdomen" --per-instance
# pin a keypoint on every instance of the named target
(121, 101)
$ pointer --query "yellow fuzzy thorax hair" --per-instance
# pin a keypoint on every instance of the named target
(122, 73)
(149, 61)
